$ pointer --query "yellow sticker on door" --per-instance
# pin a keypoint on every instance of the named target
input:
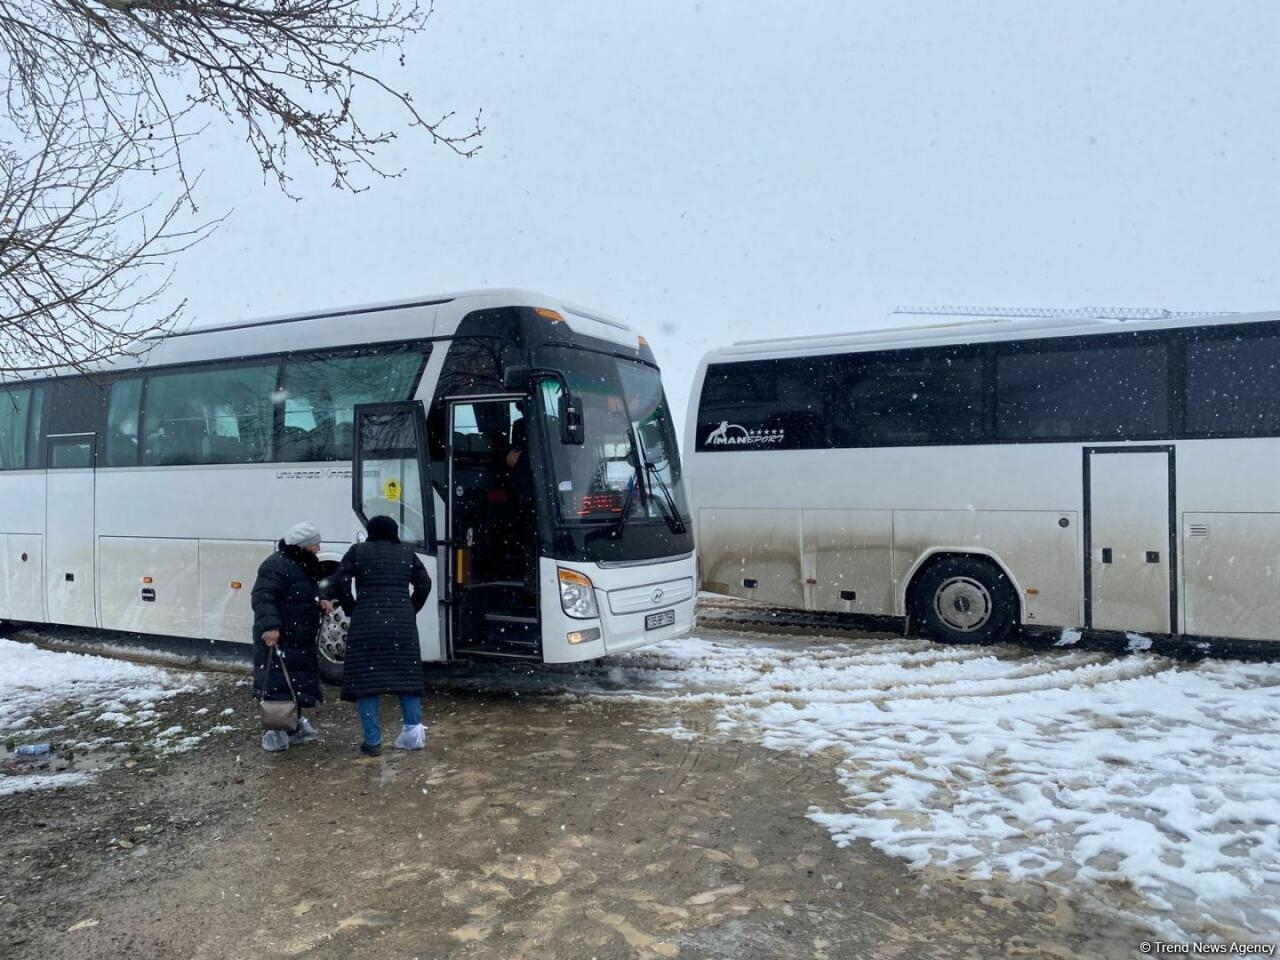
(391, 490)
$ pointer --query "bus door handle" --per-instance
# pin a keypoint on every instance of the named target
(1153, 556)
(1106, 554)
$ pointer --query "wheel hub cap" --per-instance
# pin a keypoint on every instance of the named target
(963, 604)
(333, 637)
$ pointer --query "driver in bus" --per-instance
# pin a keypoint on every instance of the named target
(515, 515)
(515, 452)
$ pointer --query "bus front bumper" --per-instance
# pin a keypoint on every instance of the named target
(637, 606)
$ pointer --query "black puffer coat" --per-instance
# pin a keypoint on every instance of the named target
(383, 655)
(285, 598)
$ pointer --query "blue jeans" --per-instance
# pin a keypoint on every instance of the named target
(410, 707)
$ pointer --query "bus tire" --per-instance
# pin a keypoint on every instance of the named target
(962, 599)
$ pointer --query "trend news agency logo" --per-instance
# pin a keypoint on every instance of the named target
(733, 435)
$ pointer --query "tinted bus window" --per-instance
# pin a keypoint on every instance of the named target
(15, 407)
(122, 423)
(221, 415)
(763, 405)
(1233, 387)
(74, 405)
(923, 397)
(70, 452)
(35, 427)
(1103, 392)
(320, 394)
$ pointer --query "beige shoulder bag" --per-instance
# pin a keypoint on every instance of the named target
(278, 714)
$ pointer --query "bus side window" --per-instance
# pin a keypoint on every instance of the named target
(220, 415)
(122, 423)
(15, 404)
(1231, 386)
(320, 394)
(1100, 390)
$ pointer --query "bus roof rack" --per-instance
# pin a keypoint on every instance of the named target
(1057, 313)
(978, 321)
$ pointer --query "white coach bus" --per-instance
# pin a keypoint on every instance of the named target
(142, 498)
(1066, 471)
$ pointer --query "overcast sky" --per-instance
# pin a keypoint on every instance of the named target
(719, 170)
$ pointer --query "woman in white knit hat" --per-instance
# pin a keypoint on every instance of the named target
(286, 616)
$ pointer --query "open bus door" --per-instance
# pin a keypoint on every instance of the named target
(493, 568)
(391, 477)
(390, 473)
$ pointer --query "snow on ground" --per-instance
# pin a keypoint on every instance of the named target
(32, 678)
(83, 692)
(24, 782)
(1106, 775)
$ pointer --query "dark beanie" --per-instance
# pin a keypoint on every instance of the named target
(385, 529)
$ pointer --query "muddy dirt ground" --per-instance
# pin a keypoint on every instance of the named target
(533, 826)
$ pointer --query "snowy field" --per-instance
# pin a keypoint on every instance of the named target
(1150, 785)
(84, 704)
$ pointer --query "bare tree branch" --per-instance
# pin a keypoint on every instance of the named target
(75, 260)
(103, 92)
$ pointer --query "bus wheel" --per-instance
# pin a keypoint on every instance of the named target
(332, 642)
(965, 600)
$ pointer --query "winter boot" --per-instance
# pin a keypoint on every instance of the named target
(305, 733)
(412, 738)
(273, 741)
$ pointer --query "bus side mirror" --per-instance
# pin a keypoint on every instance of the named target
(516, 379)
(571, 419)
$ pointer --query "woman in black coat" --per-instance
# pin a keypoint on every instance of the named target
(286, 616)
(383, 655)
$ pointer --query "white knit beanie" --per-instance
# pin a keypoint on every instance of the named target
(302, 534)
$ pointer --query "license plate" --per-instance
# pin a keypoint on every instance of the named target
(664, 619)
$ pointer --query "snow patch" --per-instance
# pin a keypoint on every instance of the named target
(677, 731)
(27, 783)
(1076, 768)
(32, 678)
(1137, 642)
(1069, 638)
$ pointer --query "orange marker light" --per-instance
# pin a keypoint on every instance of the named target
(1032, 591)
(643, 341)
(146, 580)
(548, 314)
(578, 579)
(235, 584)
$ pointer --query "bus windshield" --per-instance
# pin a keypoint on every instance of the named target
(629, 467)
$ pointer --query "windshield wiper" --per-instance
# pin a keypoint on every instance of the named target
(670, 511)
(626, 506)
(632, 485)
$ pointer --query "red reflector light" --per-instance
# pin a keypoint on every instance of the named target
(600, 503)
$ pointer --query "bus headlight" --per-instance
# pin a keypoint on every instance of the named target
(577, 595)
